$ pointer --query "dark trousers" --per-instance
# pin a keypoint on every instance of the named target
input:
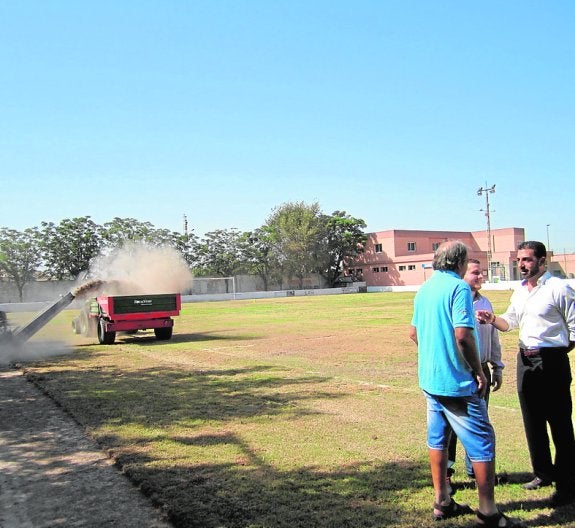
(544, 388)
(452, 446)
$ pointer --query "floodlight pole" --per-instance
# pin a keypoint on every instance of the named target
(548, 248)
(485, 190)
(185, 226)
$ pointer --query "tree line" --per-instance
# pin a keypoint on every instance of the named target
(296, 240)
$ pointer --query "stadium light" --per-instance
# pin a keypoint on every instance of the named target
(487, 190)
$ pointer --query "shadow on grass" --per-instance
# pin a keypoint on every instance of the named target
(562, 516)
(162, 406)
(148, 338)
(258, 495)
(160, 397)
(167, 412)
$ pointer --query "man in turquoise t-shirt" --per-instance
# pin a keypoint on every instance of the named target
(453, 381)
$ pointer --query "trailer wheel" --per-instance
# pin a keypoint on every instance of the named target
(76, 326)
(105, 338)
(82, 324)
(163, 334)
(92, 327)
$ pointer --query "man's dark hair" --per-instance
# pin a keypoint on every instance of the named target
(450, 256)
(537, 247)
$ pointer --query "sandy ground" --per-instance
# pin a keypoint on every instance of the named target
(52, 475)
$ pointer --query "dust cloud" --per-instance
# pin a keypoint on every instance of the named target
(15, 350)
(138, 268)
(11, 353)
(134, 269)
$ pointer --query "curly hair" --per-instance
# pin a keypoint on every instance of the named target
(450, 256)
(538, 248)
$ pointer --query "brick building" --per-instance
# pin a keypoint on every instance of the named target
(404, 257)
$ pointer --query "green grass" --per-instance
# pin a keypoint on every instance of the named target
(295, 412)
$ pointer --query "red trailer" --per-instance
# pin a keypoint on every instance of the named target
(105, 315)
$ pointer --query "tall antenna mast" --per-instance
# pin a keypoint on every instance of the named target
(485, 190)
(185, 226)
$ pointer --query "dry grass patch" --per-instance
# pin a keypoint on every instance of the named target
(297, 412)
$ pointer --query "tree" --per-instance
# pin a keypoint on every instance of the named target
(20, 257)
(343, 239)
(189, 246)
(259, 257)
(121, 230)
(295, 232)
(68, 248)
(221, 253)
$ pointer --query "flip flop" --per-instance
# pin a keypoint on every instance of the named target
(492, 521)
(453, 509)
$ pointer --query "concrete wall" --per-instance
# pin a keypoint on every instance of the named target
(39, 294)
(44, 291)
(488, 286)
(356, 287)
(40, 291)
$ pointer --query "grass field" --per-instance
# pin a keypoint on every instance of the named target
(296, 412)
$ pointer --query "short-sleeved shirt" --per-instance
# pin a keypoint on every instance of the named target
(442, 304)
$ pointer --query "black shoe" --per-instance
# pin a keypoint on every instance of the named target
(562, 498)
(537, 483)
(494, 521)
(453, 509)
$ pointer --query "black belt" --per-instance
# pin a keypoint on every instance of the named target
(536, 351)
(530, 351)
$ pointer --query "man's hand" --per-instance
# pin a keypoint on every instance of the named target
(487, 317)
(484, 316)
(482, 383)
(496, 378)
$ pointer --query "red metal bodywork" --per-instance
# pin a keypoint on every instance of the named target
(116, 321)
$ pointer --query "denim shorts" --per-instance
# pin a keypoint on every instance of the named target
(467, 417)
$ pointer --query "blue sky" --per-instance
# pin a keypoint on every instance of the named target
(394, 111)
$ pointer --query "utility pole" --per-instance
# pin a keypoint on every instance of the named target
(549, 254)
(485, 190)
(186, 226)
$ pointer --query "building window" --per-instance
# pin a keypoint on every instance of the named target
(434, 246)
(411, 267)
(411, 246)
(379, 248)
(401, 268)
(376, 270)
(384, 269)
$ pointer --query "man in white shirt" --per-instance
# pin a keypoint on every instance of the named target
(543, 308)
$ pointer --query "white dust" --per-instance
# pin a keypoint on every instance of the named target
(31, 351)
(134, 269)
(138, 268)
